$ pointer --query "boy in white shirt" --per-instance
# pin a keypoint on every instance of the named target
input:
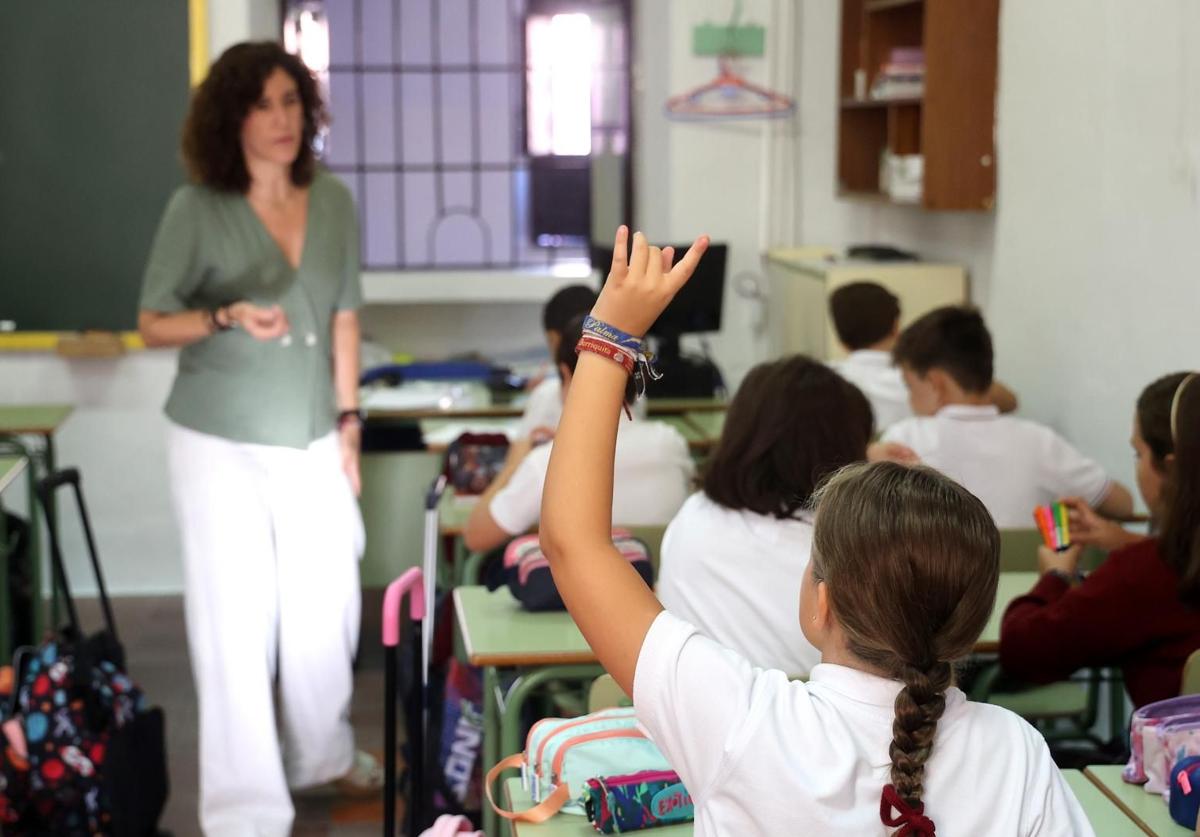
(866, 317)
(544, 406)
(1011, 464)
(653, 473)
(901, 583)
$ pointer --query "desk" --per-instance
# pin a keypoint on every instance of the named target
(35, 420)
(1107, 819)
(440, 432)
(566, 825)
(1011, 586)
(514, 409)
(496, 633)
(11, 468)
(1147, 810)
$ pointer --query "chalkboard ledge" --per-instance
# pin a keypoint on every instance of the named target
(72, 343)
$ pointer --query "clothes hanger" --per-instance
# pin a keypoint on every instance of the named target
(743, 99)
(751, 101)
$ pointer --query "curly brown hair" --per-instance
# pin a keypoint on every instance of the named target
(212, 148)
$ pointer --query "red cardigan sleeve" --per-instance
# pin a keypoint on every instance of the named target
(1055, 630)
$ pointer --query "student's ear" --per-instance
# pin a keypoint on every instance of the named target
(895, 332)
(553, 339)
(824, 614)
(564, 372)
(942, 384)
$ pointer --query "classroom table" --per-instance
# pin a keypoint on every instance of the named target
(655, 407)
(516, 798)
(11, 469)
(495, 633)
(1147, 810)
(1107, 819)
(42, 420)
(709, 423)
(1011, 586)
(441, 431)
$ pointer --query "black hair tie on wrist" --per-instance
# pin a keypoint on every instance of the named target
(355, 413)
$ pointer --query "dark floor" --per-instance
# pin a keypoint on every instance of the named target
(152, 630)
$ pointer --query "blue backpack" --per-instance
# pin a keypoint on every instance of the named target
(1184, 799)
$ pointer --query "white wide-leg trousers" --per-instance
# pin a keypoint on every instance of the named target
(271, 541)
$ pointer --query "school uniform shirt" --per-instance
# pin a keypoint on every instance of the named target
(764, 755)
(1011, 464)
(873, 372)
(1126, 613)
(736, 575)
(651, 478)
(543, 409)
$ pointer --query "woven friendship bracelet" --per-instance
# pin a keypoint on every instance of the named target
(604, 348)
(603, 330)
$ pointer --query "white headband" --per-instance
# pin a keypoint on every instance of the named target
(1175, 408)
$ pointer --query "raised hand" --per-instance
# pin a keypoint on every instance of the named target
(639, 289)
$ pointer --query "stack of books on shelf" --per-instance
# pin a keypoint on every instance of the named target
(902, 76)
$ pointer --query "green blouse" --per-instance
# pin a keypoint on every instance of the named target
(211, 249)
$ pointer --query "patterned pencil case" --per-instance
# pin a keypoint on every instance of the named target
(651, 798)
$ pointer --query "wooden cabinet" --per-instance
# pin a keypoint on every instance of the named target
(952, 124)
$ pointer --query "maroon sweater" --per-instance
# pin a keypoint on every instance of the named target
(1127, 613)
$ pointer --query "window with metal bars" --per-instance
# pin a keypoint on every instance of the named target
(472, 133)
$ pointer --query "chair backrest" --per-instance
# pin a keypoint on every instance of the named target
(1018, 551)
(1191, 675)
(606, 694)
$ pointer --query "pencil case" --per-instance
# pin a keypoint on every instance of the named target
(648, 799)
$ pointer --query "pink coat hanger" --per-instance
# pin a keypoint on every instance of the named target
(745, 99)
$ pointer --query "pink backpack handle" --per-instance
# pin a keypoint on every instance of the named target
(412, 582)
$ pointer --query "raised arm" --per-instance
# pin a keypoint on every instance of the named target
(607, 599)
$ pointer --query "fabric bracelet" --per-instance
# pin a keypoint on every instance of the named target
(601, 329)
(604, 348)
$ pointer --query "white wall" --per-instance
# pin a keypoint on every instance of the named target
(1086, 270)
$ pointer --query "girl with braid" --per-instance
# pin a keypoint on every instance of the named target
(900, 584)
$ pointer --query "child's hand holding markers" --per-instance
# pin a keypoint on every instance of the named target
(1090, 529)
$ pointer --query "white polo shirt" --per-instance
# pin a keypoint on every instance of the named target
(736, 575)
(873, 372)
(544, 407)
(651, 479)
(1011, 464)
(765, 756)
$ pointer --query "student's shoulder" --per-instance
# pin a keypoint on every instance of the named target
(911, 427)
(1000, 727)
(654, 434)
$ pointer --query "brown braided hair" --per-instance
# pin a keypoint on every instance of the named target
(911, 560)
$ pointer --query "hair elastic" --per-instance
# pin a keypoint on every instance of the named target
(1175, 407)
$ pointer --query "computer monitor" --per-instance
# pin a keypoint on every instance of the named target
(696, 309)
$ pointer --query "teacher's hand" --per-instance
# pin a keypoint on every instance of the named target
(261, 323)
(350, 438)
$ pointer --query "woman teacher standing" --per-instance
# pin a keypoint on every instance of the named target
(254, 273)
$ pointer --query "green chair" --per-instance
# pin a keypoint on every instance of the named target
(1191, 675)
(604, 693)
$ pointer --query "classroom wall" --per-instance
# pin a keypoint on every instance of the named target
(1086, 268)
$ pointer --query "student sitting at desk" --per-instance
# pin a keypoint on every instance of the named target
(1011, 464)
(654, 472)
(1139, 609)
(866, 317)
(544, 407)
(733, 557)
(902, 581)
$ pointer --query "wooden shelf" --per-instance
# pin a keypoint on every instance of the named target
(952, 126)
(866, 196)
(884, 5)
(880, 103)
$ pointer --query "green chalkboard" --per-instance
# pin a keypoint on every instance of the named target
(92, 98)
